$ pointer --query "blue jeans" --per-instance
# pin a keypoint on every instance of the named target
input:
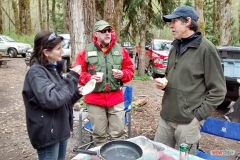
(54, 152)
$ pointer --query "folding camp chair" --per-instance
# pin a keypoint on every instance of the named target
(85, 124)
(219, 128)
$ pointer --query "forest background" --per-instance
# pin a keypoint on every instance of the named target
(137, 21)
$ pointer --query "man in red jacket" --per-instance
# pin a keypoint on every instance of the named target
(105, 104)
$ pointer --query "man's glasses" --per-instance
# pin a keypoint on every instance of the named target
(105, 30)
(52, 37)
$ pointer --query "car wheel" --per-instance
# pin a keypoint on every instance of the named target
(12, 52)
(136, 62)
(224, 105)
(150, 70)
(65, 68)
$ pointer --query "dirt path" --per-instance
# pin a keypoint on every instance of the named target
(14, 142)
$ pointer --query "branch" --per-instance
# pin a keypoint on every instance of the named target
(8, 15)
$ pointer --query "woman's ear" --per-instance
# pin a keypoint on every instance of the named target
(45, 52)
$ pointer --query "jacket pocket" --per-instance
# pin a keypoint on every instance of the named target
(184, 105)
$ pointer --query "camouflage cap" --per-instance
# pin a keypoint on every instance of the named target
(100, 25)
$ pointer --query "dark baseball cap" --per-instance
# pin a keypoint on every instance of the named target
(182, 11)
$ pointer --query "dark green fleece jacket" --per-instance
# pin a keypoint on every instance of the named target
(196, 83)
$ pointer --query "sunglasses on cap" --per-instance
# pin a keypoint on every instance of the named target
(52, 37)
(105, 30)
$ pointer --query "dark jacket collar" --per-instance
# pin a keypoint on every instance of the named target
(58, 66)
(192, 41)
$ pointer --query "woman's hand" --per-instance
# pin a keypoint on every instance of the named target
(80, 89)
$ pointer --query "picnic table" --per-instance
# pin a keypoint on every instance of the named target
(169, 153)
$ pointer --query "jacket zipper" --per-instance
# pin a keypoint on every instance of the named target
(178, 55)
(105, 57)
(52, 125)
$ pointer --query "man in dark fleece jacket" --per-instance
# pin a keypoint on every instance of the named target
(196, 84)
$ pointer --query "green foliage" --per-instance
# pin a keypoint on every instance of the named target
(142, 78)
(209, 29)
(59, 23)
(81, 102)
(209, 17)
(132, 17)
(21, 38)
(234, 30)
(135, 107)
(188, 3)
(58, 19)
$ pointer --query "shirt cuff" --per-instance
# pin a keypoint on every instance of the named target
(197, 115)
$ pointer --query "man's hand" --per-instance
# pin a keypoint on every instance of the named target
(161, 83)
(118, 74)
(196, 119)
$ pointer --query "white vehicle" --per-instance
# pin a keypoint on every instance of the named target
(13, 48)
(66, 53)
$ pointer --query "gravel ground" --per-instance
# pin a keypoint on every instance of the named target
(14, 142)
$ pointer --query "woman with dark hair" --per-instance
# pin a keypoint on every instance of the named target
(49, 98)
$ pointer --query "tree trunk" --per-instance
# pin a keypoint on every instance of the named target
(44, 15)
(48, 15)
(217, 12)
(199, 9)
(113, 14)
(66, 16)
(22, 17)
(1, 19)
(40, 13)
(28, 17)
(99, 10)
(226, 23)
(89, 18)
(54, 11)
(141, 67)
(77, 27)
(12, 22)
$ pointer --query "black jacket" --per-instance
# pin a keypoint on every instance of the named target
(48, 99)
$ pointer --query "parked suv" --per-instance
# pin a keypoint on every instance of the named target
(66, 53)
(13, 48)
(129, 47)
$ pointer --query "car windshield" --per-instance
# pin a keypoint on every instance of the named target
(65, 43)
(161, 46)
(8, 39)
